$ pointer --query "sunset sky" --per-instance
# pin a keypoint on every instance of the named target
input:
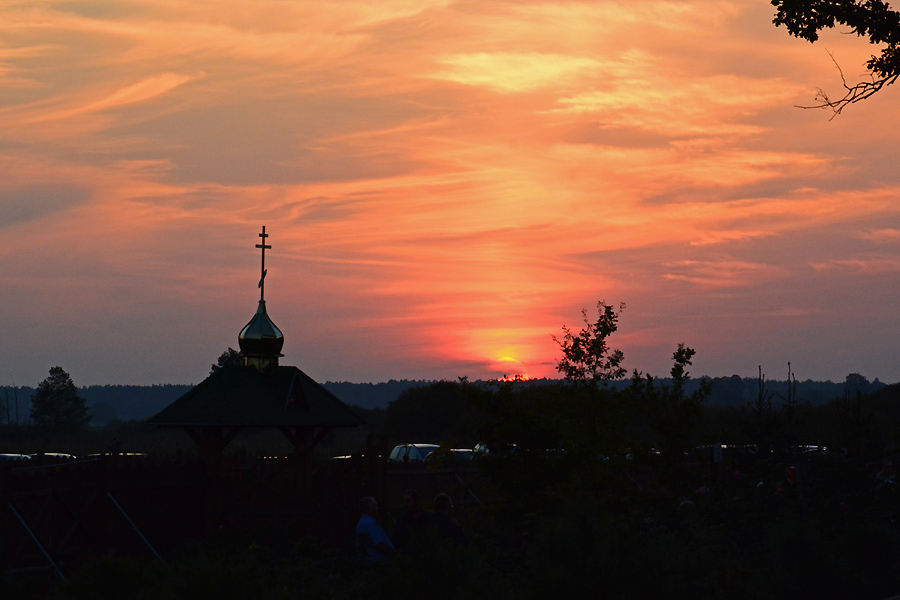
(445, 185)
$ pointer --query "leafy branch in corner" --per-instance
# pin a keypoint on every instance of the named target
(873, 19)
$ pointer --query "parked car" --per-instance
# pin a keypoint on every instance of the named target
(53, 456)
(14, 458)
(482, 449)
(450, 456)
(411, 452)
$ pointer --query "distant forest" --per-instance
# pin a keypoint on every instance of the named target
(109, 403)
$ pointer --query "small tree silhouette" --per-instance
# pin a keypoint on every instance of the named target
(762, 418)
(791, 423)
(587, 357)
(672, 413)
(229, 358)
(56, 405)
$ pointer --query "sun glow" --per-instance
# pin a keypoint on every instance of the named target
(513, 369)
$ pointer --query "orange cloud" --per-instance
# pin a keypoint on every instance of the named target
(872, 264)
(509, 72)
(135, 93)
(882, 236)
(722, 274)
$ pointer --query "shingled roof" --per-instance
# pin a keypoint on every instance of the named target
(244, 397)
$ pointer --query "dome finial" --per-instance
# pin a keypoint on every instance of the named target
(260, 340)
(262, 271)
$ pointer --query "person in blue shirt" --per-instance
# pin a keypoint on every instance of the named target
(372, 542)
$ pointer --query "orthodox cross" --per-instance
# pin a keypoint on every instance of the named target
(262, 277)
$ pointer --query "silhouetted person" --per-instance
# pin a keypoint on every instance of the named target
(413, 523)
(372, 542)
(446, 524)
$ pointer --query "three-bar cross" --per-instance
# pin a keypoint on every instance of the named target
(262, 277)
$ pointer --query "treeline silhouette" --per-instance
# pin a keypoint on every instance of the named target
(110, 403)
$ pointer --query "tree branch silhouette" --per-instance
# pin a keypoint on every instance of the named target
(854, 93)
(872, 19)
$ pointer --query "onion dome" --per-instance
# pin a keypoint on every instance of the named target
(261, 338)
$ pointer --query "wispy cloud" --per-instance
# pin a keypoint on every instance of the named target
(872, 264)
(683, 105)
(722, 274)
(141, 91)
(514, 72)
(882, 236)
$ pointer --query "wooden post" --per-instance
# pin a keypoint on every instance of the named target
(212, 441)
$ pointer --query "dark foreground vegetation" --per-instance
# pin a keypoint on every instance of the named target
(593, 492)
(589, 491)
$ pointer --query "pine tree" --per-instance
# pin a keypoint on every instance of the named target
(56, 404)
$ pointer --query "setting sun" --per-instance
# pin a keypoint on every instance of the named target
(512, 369)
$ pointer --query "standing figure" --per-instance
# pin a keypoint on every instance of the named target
(372, 543)
(413, 523)
(447, 526)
